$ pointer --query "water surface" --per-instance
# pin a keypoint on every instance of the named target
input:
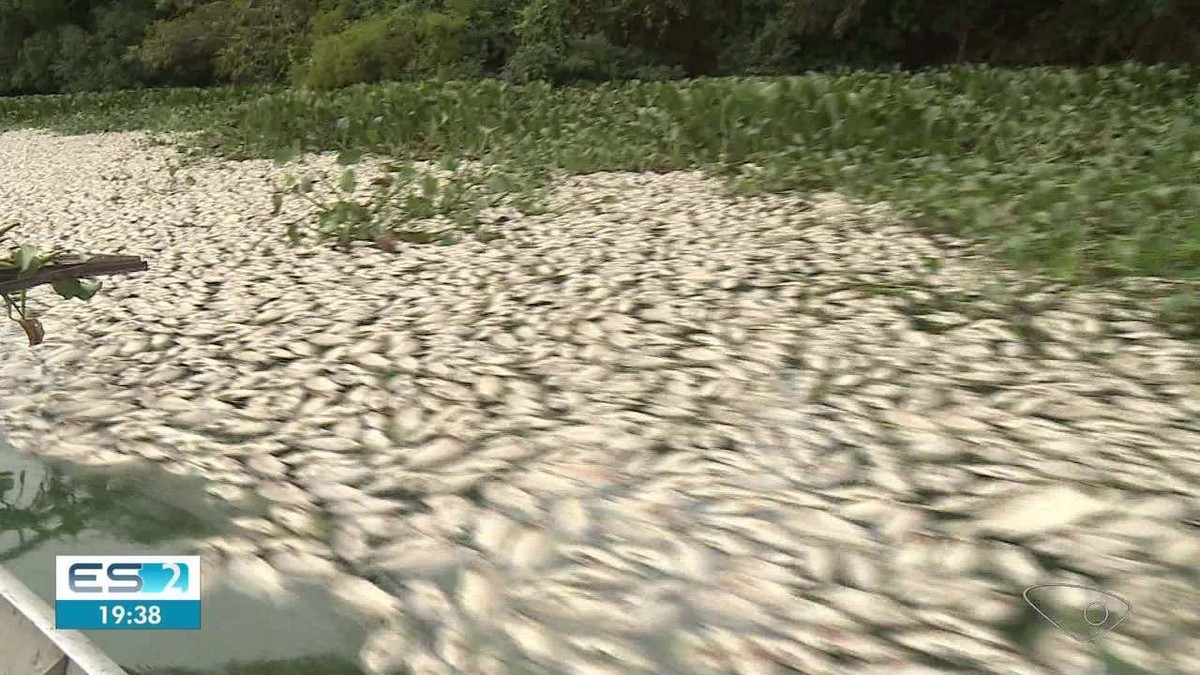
(52, 508)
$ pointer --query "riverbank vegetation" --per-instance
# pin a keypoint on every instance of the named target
(57, 46)
(1087, 173)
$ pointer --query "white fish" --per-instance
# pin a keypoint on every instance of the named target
(700, 657)
(296, 520)
(531, 548)
(438, 451)
(533, 640)
(607, 649)
(364, 597)
(796, 656)
(490, 664)
(421, 555)
(593, 555)
(478, 594)
(570, 517)
(452, 513)
(508, 449)
(428, 601)
(384, 650)
(255, 576)
(453, 648)
(424, 663)
(493, 530)
(303, 564)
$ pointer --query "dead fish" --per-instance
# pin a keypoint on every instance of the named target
(479, 595)
(428, 601)
(364, 597)
(255, 576)
(453, 648)
(385, 650)
(533, 640)
(424, 663)
(303, 564)
(570, 518)
(492, 531)
(531, 548)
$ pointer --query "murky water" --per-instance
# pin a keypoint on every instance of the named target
(50, 509)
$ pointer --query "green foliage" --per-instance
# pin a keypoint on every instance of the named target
(265, 39)
(236, 41)
(177, 110)
(1182, 311)
(1086, 173)
(76, 45)
(406, 204)
(25, 260)
(183, 49)
(34, 67)
(97, 59)
(403, 43)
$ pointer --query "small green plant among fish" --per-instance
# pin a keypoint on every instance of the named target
(25, 260)
(405, 204)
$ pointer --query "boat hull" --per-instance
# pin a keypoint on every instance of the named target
(30, 645)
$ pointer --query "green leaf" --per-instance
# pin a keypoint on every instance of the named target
(288, 153)
(404, 172)
(348, 181)
(67, 288)
(429, 186)
(293, 232)
(89, 288)
(81, 289)
(348, 157)
(25, 258)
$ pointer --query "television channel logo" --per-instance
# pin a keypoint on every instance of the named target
(127, 592)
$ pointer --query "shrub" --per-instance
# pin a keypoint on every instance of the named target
(265, 39)
(183, 49)
(406, 42)
(236, 41)
(561, 42)
(96, 60)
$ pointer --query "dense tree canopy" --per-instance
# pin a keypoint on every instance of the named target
(74, 45)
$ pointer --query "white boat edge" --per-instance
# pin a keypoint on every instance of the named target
(30, 645)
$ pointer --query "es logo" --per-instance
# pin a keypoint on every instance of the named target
(1085, 614)
(128, 577)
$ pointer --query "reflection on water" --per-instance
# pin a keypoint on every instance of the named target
(49, 509)
(40, 503)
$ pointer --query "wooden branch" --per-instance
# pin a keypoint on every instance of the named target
(63, 268)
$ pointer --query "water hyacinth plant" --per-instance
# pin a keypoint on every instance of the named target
(24, 260)
(1087, 174)
(68, 274)
(406, 204)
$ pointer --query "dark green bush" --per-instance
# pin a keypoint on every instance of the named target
(238, 41)
(34, 67)
(403, 43)
(69, 45)
(183, 49)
